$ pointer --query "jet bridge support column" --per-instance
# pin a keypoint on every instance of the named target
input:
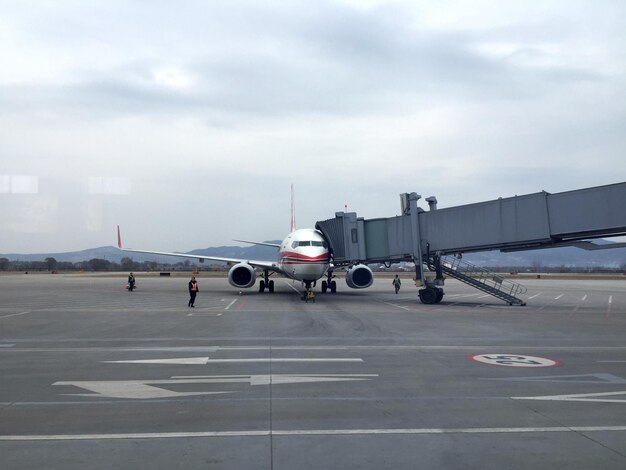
(430, 294)
(409, 202)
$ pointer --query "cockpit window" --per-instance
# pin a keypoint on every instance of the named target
(309, 243)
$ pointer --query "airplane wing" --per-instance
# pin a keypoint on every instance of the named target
(271, 265)
(275, 245)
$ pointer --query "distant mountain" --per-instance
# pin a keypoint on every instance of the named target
(551, 257)
(110, 253)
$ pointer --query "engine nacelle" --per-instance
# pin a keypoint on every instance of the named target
(359, 276)
(242, 275)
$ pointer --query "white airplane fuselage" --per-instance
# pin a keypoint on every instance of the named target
(304, 256)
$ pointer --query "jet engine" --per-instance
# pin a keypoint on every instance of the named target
(242, 275)
(359, 276)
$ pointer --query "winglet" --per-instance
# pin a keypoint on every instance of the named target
(119, 238)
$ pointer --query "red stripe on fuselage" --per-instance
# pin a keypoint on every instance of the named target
(299, 256)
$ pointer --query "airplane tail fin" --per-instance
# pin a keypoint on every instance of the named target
(119, 238)
(293, 211)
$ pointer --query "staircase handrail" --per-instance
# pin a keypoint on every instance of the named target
(491, 279)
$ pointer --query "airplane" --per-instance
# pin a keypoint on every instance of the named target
(302, 256)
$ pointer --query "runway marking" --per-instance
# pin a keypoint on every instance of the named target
(120, 349)
(293, 287)
(584, 297)
(309, 432)
(230, 304)
(588, 397)
(14, 314)
(205, 314)
(178, 360)
(207, 360)
(533, 296)
(150, 389)
(513, 360)
(393, 305)
(288, 359)
(608, 308)
(6, 345)
(279, 378)
(209, 349)
(558, 297)
(600, 378)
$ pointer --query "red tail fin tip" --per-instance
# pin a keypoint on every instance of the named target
(293, 211)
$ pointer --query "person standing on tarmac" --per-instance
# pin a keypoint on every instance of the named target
(193, 291)
(396, 283)
(131, 282)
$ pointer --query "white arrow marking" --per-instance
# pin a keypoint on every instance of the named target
(206, 360)
(146, 389)
(136, 389)
(178, 360)
(230, 304)
(290, 359)
(279, 379)
(581, 397)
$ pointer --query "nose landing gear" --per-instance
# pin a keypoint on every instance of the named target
(309, 294)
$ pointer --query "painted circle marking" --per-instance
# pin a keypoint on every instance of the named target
(514, 360)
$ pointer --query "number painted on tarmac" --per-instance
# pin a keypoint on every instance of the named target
(514, 360)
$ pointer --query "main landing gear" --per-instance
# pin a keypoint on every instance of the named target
(431, 295)
(265, 283)
(329, 283)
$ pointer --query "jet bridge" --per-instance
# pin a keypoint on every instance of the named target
(436, 237)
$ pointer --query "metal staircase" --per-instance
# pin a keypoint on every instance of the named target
(491, 283)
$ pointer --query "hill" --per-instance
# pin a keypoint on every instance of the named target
(551, 257)
(113, 254)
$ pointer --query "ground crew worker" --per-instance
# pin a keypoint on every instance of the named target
(131, 282)
(396, 283)
(193, 291)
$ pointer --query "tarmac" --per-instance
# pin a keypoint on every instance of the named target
(93, 376)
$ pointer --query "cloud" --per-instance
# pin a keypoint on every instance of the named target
(202, 114)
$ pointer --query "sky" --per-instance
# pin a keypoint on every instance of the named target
(186, 122)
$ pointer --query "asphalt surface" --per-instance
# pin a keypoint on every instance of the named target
(92, 376)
